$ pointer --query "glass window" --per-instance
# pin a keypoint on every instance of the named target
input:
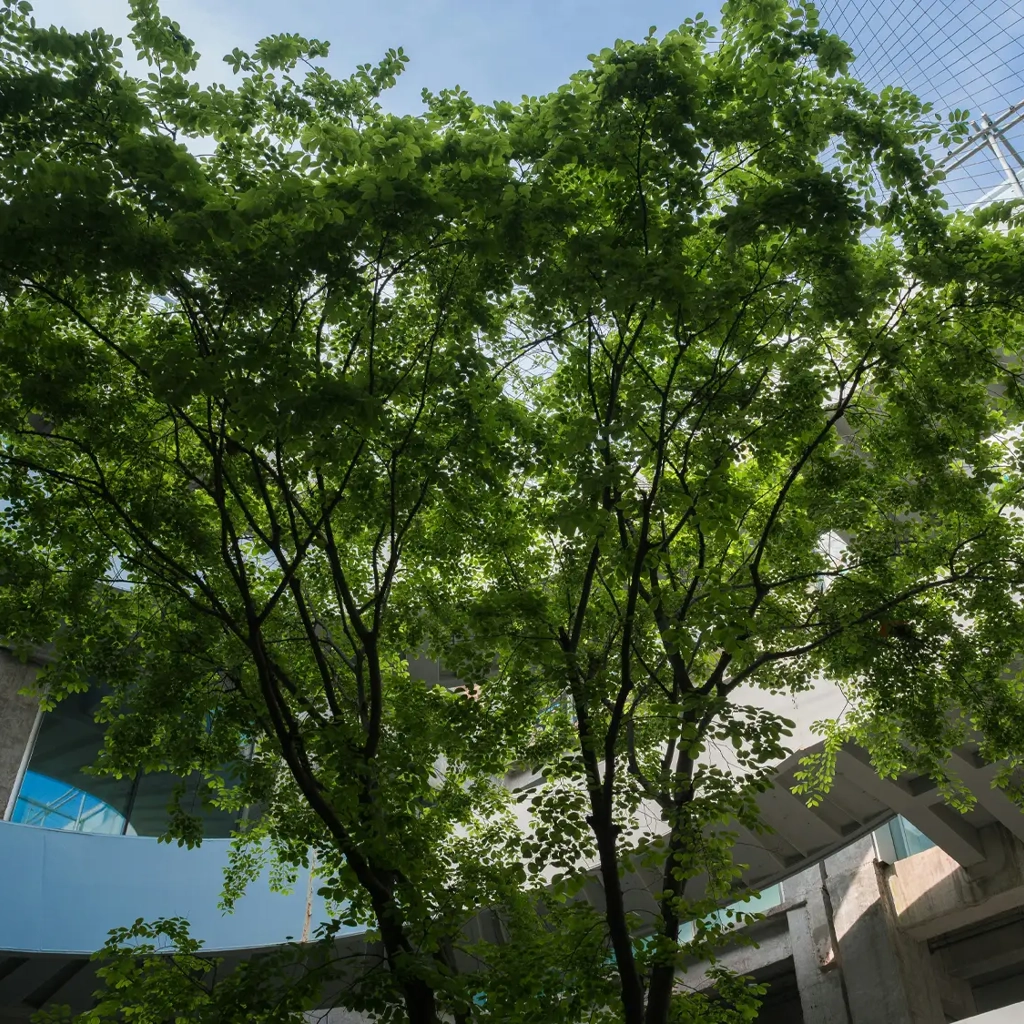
(51, 804)
(907, 839)
(151, 807)
(58, 793)
(69, 740)
(769, 897)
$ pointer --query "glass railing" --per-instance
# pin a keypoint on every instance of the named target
(907, 839)
(766, 899)
(49, 803)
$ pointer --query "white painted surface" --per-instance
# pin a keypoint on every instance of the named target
(1007, 1015)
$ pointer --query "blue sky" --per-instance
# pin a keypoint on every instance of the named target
(502, 49)
(968, 54)
(493, 48)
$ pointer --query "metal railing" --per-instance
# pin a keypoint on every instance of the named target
(73, 810)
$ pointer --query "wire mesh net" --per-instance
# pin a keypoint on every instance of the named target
(956, 54)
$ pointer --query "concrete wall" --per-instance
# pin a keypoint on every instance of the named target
(933, 894)
(921, 941)
(17, 716)
(888, 976)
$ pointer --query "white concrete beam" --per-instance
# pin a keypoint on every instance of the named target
(795, 822)
(996, 802)
(947, 829)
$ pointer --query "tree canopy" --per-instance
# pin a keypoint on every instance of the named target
(625, 403)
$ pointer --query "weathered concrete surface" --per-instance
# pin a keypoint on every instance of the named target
(772, 946)
(853, 962)
(815, 954)
(998, 949)
(932, 894)
(889, 977)
(17, 715)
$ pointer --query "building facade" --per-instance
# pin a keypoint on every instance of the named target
(881, 905)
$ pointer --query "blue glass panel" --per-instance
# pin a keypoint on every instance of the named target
(769, 897)
(69, 739)
(50, 803)
(907, 839)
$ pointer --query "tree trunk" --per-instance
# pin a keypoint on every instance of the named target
(615, 916)
(663, 974)
(445, 955)
(420, 1003)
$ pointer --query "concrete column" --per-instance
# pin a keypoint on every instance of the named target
(17, 718)
(957, 997)
(815, 956)
(932, 894)
(889, 977)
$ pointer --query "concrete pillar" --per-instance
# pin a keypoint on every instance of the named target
(815, 956)
(957, 997)
(889, 977)
(17, 719)
(932, 894)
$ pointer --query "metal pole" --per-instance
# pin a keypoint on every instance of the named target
(991, 135)
(130, 805)
(78, 813)
(19, 778)
(308, 919)
(1010, 118)
(999, 122)
(1009, 145)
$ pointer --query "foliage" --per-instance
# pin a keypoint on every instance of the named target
(632, 403)
(251, 390)
(776, 420)
(156, 973)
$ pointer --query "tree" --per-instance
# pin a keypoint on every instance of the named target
(777, 420)
(157, 972)
(582, 395)
(245, 394)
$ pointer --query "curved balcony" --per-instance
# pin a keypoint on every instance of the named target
(63, 890)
